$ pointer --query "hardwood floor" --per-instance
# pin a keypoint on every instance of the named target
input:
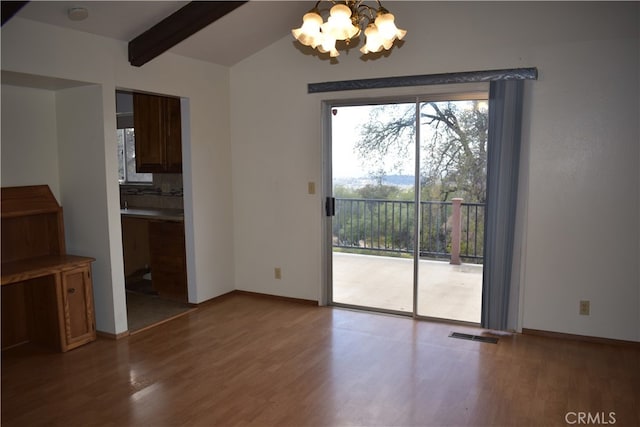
(247, 360)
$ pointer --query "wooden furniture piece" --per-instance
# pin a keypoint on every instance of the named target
(47, 295)
(157, 124)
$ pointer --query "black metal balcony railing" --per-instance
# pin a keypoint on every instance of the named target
(388, 226)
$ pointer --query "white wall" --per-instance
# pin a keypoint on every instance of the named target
(81, 135)
(45, 50)
(581, 147)
(29, 142)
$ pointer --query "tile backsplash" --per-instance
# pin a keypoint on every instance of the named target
(164, 193)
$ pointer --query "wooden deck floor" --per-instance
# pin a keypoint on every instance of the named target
(248, 360)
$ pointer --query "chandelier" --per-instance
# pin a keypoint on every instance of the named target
(345, 22)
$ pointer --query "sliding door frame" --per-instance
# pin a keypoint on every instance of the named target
(327, 184)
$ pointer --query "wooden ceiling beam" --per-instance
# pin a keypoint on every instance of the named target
(177, 27)
(10, 8)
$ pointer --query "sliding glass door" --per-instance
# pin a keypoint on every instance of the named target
(453, 178)
(407, 205)
(373, 185)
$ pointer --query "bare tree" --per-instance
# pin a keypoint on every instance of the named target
(453, 146)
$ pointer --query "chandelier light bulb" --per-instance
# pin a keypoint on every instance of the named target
(339, 23)
(328, 45)
(309, 33)
(374, 42)
(385, 22)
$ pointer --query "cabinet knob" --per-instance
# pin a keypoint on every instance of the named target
(71, 290)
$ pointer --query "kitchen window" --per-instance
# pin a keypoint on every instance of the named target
(127, 159)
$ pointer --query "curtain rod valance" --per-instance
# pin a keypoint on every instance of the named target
(426, 79)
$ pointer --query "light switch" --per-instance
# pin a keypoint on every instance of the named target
(312, 187)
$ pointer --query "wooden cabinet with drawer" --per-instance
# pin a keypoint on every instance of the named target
(47, 296)
(77, 306)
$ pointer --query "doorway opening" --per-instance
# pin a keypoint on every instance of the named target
(408, 194)
(152, 208)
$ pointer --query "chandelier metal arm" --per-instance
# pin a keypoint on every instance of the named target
(365, 8)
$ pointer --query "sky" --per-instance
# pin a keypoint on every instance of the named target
(345, 125)
(344, 133)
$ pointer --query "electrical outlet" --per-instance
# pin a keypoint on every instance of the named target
(585, 308)
(277, 272)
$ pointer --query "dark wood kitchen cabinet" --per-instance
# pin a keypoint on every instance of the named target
(158, 133)
(168, 259)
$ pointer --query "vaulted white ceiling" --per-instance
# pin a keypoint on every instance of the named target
(243, 32)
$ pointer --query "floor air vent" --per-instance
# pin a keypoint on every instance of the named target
(490, 340)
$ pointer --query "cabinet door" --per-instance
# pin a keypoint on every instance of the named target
(168, 259)
(148, 122)
(173, 135)
(79, 317)
(158, 133)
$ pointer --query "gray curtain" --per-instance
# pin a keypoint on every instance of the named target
(503, 158)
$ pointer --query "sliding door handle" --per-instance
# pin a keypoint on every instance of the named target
(330, 206)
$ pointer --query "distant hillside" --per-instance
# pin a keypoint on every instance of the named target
(399, 180)
(393, 180)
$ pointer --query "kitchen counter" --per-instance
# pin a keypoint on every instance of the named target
(150, 213)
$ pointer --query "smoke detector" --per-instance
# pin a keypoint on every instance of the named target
(78, 13)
